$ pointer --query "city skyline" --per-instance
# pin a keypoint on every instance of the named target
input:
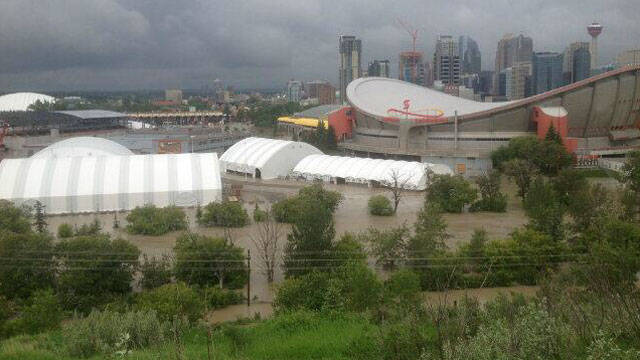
(118, 45)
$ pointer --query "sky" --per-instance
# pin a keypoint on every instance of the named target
(53, 45)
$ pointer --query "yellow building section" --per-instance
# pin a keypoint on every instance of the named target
(307, 122)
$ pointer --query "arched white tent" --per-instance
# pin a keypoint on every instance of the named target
(410, 175)
(21, 101)
(84, 146)
(265, 158)
(111, 183)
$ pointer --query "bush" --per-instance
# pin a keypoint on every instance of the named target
(92, 229)
(450, 193)
(203, 260)
(227, 214)
(155, 272)
(402, 288)
(354, 287)
(150, 220)
(285, 210)
(259, 215)
(172, 300)
(108, 332)
(42, 312)
(217, 298)
(380, 205)
(65, 231)
(304, 292)
(94, 268)
(13, 219)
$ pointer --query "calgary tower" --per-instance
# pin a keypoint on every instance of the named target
(594, 30)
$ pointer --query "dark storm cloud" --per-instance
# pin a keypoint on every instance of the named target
(128, 44)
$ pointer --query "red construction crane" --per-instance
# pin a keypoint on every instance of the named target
(414, 37)
(3, 131)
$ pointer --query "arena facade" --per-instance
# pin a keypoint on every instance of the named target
(597, 117)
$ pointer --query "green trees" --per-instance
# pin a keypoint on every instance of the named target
(150, 220)
(202, 260)
(389, 246)
(40, 220)
(13, 219)
(430, 232)
(544, 209)
(172, 300)
(313, 232)
(491, 199)
(450, 193)
(631, 179)
(226, 214)
(93, 268)
(154, 272)
(380, 205)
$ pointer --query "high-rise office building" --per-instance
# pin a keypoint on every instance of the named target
(294, 91)
(411, 68)
(350, 63)
(470, 58)
(379, 68)
(569, 56)
(547, 71)
(628, 58)
(446, 60)
(581, 68)
(173, 95)
(511, 49)
(486, 82)
(518, 81)
(323, 91)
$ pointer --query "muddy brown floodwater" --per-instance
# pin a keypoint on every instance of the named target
(351, 216)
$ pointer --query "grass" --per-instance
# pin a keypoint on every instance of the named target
(300, 335)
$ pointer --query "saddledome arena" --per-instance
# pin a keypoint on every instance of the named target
(596, 117)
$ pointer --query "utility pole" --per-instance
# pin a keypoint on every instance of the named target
(248, 277)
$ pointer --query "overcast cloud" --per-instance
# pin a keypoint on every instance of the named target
(157, 44)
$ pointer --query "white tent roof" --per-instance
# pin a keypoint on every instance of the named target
(84, 146)
(21, 101)
(111, 183)
(375, 96)
(410, 174)
(271, 157)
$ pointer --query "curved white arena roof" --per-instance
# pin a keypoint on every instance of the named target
(410, 175)
(375, 96)
(83, 146)
(21, 101)
(272, 158)
(111, 183)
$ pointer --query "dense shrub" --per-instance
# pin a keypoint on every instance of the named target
(41, 312)
(402, 288)
(151, 220)
(13, 219)
(353, 287)
(216, 298)
(285, 210)
(288, 209)
(305, 292)
(92, 229)
(203, 260)
(451, 193)
(259, 215)
(154, 272)
(491, 199)
(65, 231)
(172, 300)
(380, 205)
(109, 332)
(93, 268)
(227, 214)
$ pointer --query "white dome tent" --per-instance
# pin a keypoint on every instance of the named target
(411, 175)
(106, 177)
(265, 158)
(21, 101)
(83, 146)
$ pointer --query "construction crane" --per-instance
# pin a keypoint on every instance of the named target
(3, 132)
(414, 37)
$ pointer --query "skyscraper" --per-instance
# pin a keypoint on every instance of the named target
(581, 64)
(511, 49)
(628, 58)
(409, 62)
(294, 91)
(517, 81)
(379, 68)
(569, 55)
(350, 63)
(446, 60)
(470, 57)
(547, 71)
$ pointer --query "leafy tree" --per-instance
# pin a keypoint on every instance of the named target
(552, 156)
(313, 232)
(380, 205)
(354, 287)
(430, 232)
(65, 231)
(202, 260)
(347, 250)
(402, 289)
(545, 211)
(172, 301)
(553, 135)
(307, 292)
(26, 263)
(154, 272)
(491, 199)
(41, 312)
(13, 219)
(524, 148)
(92, 229)
(588, 204)
(285, 210)
(631, 179)
(151, 220)
(389, 246)
(39, 217)
(259, 215)
(451, 193)
(522, 172)
(568, 183)
(226, 214)
(477, 245)
(94, 268)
